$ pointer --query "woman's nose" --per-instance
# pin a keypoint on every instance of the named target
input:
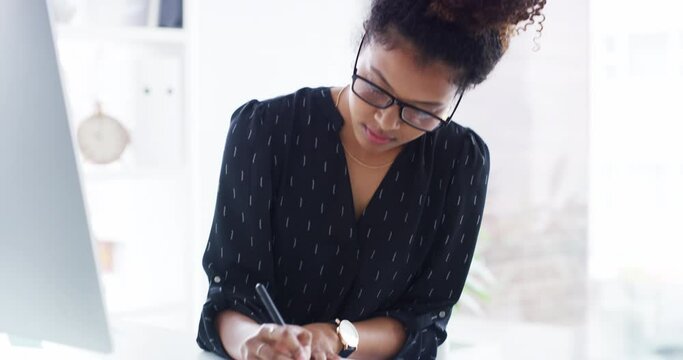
(389, 119)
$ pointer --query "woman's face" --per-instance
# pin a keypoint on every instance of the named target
(395, 70)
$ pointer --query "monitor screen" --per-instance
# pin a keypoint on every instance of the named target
(49, 284)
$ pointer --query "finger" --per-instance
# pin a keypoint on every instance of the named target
(268, 332)
(319, 355)
(333, 356)
(264, 351)
(305, 338)
(282, 357)
(247, 349)
(304, 354)
(286, 341)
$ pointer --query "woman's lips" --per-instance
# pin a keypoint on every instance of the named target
(374, 137)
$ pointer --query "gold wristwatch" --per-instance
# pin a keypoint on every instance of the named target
(348, 335)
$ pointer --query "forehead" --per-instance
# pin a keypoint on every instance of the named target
(406, 74)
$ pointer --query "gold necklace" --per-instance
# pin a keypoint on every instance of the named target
(339, 95)
(349, 153)
(374, 167)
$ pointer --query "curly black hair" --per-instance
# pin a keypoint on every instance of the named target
(470, 36)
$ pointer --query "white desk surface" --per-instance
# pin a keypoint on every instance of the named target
(472, 338)
(131, 341)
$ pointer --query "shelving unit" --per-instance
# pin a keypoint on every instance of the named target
(143, 35)
(141, 204)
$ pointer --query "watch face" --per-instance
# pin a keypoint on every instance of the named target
(348, 333)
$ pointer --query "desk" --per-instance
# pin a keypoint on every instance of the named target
(482, 340)
(472, 338)
(131, 341)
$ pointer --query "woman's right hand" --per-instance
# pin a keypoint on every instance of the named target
(279, 342)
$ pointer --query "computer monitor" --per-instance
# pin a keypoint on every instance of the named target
(49, 284)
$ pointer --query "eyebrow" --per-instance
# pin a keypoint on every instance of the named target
(379, 73)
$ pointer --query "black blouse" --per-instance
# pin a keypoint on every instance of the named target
(284, 217)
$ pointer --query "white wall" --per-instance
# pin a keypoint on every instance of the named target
(637, 161)
(636, 200)
(533, 112)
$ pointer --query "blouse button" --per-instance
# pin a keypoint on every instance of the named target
(442, 314)
(217, 279)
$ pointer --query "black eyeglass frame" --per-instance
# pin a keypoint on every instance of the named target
(395, 100)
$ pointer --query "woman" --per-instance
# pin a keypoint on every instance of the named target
(358, 206)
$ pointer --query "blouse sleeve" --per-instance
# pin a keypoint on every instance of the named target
(239, 250)
(425, 308)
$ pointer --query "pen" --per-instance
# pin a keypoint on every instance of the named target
(268, 303)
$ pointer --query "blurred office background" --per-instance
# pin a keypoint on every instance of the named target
(578, 256)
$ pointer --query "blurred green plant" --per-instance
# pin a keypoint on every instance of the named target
(479, 281)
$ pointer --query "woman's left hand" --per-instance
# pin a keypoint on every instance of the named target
(325, 344)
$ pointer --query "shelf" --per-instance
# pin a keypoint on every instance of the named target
(147, 35)
(91, 174)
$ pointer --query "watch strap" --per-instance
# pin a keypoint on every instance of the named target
(347, 351)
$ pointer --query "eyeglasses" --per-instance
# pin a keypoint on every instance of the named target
(376, 96)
